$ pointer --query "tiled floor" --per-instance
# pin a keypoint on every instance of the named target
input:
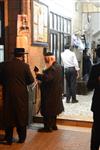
(80, 110)
(77, 111)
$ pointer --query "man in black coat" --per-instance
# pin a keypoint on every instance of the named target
(16, 75)
(51, 92)
(94, 83)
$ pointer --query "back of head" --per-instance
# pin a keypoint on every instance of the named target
(67, 46)
(48, 54)
(49, 57)
(98, 51)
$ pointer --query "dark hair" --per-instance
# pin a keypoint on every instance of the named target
(67, 46)
(49, 54)
(98, 51)
(45, 50)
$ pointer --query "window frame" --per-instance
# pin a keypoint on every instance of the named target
(62, 35)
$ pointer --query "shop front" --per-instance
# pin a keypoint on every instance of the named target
(32, 25)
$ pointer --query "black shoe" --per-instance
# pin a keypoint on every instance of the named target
(3, 139)
(67, 101)
(74, 101)
(8, 143)
(55, 128)
(20, 141)
(45, 130)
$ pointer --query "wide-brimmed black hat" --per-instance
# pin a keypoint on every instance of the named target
(19, 51)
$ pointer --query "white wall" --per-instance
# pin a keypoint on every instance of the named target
(91, 28)
(66, 8)
(77, 18)
(61, 7)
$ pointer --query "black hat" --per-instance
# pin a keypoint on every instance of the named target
(19, 52)
(48, 54)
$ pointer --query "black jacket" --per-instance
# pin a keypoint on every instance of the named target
(94, 84)
(16, 75)
(51, 90)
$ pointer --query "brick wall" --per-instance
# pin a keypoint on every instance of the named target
(35, 56)
(12, 8)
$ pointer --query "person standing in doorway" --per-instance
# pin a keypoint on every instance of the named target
(94, 84)
(51, 92)
(16, 75)
(71, 69)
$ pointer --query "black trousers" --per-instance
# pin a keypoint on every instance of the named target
(70, 75)
(21, 130)
(95, 133)
(49, 121)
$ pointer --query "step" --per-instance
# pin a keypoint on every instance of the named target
(66, 122)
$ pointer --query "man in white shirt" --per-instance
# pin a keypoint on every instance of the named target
(71, 69)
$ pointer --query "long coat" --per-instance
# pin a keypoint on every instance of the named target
(51, 90)
(16, 75)
(94, 83)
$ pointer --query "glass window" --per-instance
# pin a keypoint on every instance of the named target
(62, 42)
(51, 41)
(55, 22)
(60, 30)
(59, 23)
(51, 21)
(55, 42)
(62, 24)
(65, 25)
(69, 27)
(1, 53)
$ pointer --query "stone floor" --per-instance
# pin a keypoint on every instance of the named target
(80, 110)
(77, 111)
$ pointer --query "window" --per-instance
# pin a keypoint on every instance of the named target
(51, 21)
(1, 53)
(55, 22)
(60, 33)
(65, 25)
(62, 24)
(69, 26)
(59, 23)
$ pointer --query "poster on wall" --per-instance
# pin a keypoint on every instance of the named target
(22, 25)
(40, 23)
(23, 30)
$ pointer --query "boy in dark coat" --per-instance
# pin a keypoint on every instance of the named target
(51, 92)
(16, 75)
